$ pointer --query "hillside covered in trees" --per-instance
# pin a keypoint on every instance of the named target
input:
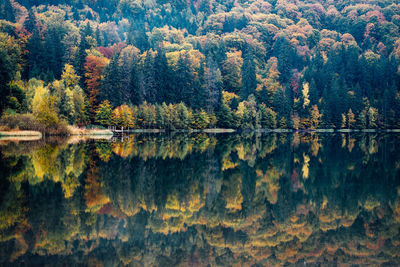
(198, 64)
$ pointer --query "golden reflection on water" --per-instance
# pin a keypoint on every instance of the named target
(199, 199)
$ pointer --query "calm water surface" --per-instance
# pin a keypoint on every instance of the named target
(202, 200)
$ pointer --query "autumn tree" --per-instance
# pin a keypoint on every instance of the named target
(94, 68)
(350, 119)
(315, 117)
(104, 113)
(122, 116)
(43, 107)
(266, 90)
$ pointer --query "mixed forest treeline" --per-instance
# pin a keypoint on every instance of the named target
(200, 64)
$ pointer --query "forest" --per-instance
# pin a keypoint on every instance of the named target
(172, 64)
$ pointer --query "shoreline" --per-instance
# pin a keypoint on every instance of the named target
(97, 133)
(15, 133)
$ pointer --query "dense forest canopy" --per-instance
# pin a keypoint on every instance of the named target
(197, 64)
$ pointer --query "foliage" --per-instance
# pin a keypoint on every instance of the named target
(310, 62)
(94, 67)
(104, 113)
(43, 107)
(266, 197)
(122, 116)
(28, 122)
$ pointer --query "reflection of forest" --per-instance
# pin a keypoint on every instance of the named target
(202, 199)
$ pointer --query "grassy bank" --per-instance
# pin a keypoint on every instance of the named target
(20, 136)
(20, 133)
(83, 131)
(28, 122)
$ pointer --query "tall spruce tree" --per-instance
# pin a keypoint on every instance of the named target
(36, 61)
(30, 24)
(7, 12)
(162, 78)
(249, 81)
(213, 85)
(136, 97)
(111, 85)
(184, 90)
(149, 83)
(80, 57)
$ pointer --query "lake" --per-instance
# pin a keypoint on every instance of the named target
(250, 199)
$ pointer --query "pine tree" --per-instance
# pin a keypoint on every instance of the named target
(30, 24)
(98, 36)
(213, 85)
(234, 104)
(225, 117)
(162, 78)
(182, 116)
(184, 81)
(267, 117)
(162, 120)
(281, 105)
(134, 86)
(6, 75)
(111, 86)
(283, 52)
(80, 57)
(249, 81)
(149, 83)
(35, 66)
(54, 53)
(7, 11)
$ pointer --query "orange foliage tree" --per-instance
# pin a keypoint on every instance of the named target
(94, 68)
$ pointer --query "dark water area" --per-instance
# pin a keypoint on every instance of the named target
(202, 200)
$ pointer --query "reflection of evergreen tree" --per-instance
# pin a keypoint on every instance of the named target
(159, 199)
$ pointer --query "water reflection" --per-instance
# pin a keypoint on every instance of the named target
(198, 199)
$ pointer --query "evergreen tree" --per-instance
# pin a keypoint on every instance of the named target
(80, 57)
(234, 104)
(267, 117)
(134, 85)
(111, 85)
(283, 51)
(281, 105)
(225, 117)
(149, 83)
(184, 90)
(6, 71)
(54, 53)
(104, 113)
(99, 38)
(182, 116)
(213, 84)
(36, 62)
(7, 11)
(30, 24)
(249, 81)
(162, 78)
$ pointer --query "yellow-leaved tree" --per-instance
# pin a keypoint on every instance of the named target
(43, 106)
(122, 116)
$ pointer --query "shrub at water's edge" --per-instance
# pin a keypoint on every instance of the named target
(28, 122)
